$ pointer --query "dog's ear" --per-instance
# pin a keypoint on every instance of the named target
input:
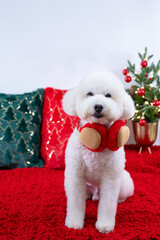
(69, 102)
(128, 107)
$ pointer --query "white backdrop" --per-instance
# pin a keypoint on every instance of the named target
(57, 42)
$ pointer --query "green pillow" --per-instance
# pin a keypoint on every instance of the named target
(20, 125)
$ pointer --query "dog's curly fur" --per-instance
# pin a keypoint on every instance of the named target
(105, 170)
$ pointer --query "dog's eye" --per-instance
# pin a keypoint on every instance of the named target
(90, 94)
(108, 95)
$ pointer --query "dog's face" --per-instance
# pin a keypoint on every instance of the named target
(99, 98)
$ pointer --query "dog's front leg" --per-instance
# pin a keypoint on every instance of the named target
(109, 190)
(75, 187)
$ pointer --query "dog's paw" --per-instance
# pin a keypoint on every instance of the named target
(74, 223)
(104, 227)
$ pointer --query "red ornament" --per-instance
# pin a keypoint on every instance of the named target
(142, 122)
(128, 78)
(144, 63)
(156, 103)
(146, 74)
(141, 92)
(125, 71)
(150, 78)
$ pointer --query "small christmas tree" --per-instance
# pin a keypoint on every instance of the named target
(8, 135)
(22, 126)
(23, 107)
(146, 91)
(66, 131)
(57, 115)
(37, 100)
(36, 118)
(9, 114)
(53, 138)
(22, 147)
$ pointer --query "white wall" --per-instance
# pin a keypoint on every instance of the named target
(56, 42)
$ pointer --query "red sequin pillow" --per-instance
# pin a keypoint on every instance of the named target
(56, 129)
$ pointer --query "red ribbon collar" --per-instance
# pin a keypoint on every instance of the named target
(108, 136)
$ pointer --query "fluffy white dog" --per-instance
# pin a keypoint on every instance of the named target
(105, 169)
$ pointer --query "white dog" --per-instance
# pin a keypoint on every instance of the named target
(103, 169)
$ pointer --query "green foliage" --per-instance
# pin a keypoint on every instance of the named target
(148, 79)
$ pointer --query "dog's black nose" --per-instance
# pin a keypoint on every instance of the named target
(98, 108)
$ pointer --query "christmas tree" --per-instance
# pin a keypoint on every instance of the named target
(23, 107)
(53, 138)
(57, 115)
(8, 135)
(66, 131)
(22, 126)
(37, 101)
(22, 147)
(36, 118)
(9, 115)
(146, 91)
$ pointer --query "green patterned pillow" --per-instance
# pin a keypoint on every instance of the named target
(20, 124)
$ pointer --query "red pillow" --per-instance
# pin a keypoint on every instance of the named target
(57, 127)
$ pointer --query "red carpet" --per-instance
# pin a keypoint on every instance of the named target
(33, 204)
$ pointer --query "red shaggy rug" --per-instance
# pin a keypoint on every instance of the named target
(33, 203)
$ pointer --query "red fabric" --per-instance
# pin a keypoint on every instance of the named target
(57, 127)
(108, 137)
(33, 204)
(113, 134)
